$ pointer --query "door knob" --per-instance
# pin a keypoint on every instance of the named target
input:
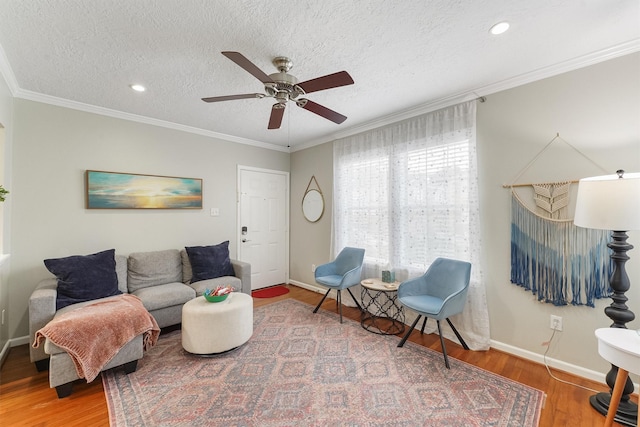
(245, 240)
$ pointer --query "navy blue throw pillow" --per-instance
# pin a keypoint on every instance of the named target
(84, 277)
(209, 262)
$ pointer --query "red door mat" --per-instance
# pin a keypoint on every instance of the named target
(273, 291)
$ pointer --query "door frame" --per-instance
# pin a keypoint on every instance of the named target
(286, 174)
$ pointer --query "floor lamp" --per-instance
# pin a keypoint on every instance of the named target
(612, 202)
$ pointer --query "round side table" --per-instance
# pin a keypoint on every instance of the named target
(381, 313)
(620, 347)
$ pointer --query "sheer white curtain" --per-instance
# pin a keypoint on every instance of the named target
(408, 193)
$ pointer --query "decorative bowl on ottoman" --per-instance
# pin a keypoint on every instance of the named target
(219, 294)
(216, 298)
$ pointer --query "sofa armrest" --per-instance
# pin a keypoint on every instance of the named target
(242, 271)
(42, 308)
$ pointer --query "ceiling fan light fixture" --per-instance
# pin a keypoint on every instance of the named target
(499, 28)
(285, 87)
(138, 87)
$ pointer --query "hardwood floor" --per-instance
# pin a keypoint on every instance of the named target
(27, 400)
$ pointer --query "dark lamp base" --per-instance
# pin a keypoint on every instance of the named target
(626, 414)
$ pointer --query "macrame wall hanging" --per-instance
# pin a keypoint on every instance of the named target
(557, 261)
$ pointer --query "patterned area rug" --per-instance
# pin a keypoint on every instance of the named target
(305, 369)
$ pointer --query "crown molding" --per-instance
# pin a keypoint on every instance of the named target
(7, 73)
(530, 77)
(593, 58)
(61, 102)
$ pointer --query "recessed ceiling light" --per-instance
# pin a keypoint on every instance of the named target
(138, 88)
(499, 28)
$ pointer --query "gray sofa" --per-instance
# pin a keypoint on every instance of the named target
(162, 281)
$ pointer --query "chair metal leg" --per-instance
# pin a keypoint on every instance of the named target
(424, 323)
(444, 348)
(321, 301)
(338, 301)
(455, 331)
(413, 325)
(354, 299)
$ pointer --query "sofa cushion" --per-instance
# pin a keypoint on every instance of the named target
(187, 273)
(121, 272)
(153, 268)
(84, 277)
(209, 262)
(167, 295)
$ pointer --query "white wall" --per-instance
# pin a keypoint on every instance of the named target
(595, 109)
(310, 242)
(6, 121)
(53, 148)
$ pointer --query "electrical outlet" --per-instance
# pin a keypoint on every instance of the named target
(313, 268)
(555, 322)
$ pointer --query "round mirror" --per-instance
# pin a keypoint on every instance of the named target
(313, 205)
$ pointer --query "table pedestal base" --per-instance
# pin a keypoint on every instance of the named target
(381, 325)
(381, 313)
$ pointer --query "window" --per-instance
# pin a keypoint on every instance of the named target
(405, 194)
(408, 193)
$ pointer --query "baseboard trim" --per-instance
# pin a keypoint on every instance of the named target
(560, 365)
(20, 341)
(553, 363)
(346, 298)
(4, 352)
(14, 342)
(314, 288)
(507, 348)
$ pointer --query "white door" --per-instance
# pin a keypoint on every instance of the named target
(263, 224)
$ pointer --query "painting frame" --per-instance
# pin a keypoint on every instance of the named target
(122, 190)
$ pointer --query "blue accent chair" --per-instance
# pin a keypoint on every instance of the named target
(341, 273)
(439, 293)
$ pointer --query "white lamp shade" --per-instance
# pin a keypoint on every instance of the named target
(609, 202)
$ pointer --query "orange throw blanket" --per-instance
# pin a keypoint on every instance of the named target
(94, 333)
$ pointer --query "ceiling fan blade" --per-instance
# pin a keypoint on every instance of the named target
(341, 78)
(277, 112)
(232, 97)
(321, 110)
(248, 66)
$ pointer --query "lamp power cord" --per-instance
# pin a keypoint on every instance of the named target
(546, 365)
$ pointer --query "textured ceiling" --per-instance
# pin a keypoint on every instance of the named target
(403, 55)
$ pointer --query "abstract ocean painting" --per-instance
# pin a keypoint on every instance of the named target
(112, 190)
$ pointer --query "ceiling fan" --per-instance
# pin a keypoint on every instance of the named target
(285, 87)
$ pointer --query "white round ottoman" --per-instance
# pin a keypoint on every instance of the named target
(216, 327)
